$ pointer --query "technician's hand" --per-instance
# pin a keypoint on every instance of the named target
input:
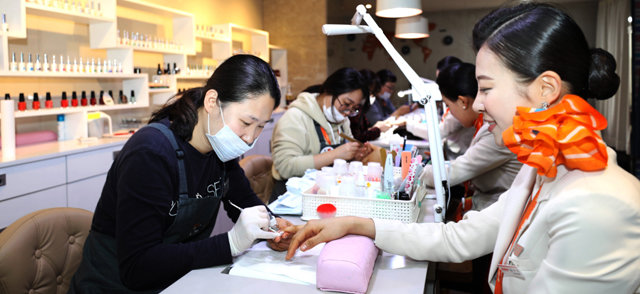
(251, 225)
(347, 151)
(281, 243)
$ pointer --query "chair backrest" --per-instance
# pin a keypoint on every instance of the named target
(40, 252)
(257, 168)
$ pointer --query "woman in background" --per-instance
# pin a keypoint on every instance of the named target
(570, 223)
(307, 136)
(362, 130)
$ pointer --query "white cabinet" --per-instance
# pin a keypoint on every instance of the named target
(71, 178)
(85, 193)
(15, 208)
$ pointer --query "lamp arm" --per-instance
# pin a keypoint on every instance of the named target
(426, 94)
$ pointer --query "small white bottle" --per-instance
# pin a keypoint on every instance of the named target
(21, 65)
(5, 25)
(61, 127)
(38, 65)
(30, 64)
(54, 66)
(13, 66)
(45, 64)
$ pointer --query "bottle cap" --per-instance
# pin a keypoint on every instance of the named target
(7, 96)
(326, 210)
(21, 98)
(48, 96)
(64, 95)
(60, 117)
(35, 97)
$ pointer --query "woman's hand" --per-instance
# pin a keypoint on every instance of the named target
(363, 152)
(325, 230)
(346, 151)
(281, 243)
(382, 125)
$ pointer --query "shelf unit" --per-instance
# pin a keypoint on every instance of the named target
(103, 34)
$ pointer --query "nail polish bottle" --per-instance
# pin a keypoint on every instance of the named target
(66, 67)
(132, 98)
(35, 105)
(123, 98)
(29, 64)
(7, 96)
(92, 69)
(45, 64)
(109, 67)
(74, 99)
(101, 97)
(80, 65)
(83, 99)
(168, 69)
(75, 66)
(98, 66)
(93, 100)
(13, 65)
(5, 25)
(22, 66)
(64, 103)
(22, 105)
(48, 103)
(54, 66)
(88, 67)
(37, 66)
(113, 100)
(104, 66)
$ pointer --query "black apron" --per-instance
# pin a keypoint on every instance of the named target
(280, 186)
(194, 220)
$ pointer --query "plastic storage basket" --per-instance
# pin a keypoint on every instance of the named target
(405, 211)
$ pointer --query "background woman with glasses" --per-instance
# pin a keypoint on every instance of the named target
(308, 134)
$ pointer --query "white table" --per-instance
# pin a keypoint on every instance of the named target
(391, 274)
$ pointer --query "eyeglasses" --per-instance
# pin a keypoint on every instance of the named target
(348, 109)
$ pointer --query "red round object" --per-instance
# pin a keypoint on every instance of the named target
(326, 210)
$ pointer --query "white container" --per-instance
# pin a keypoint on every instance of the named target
(340, 167)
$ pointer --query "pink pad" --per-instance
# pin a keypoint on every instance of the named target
(346, 264)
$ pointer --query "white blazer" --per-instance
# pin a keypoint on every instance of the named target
(583, 237)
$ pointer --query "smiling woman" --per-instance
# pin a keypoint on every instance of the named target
(159, 204)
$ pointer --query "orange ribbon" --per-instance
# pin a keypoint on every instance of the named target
(563, 134)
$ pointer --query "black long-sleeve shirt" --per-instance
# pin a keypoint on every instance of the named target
(135, 203)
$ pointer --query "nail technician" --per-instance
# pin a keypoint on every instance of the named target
(159, 204)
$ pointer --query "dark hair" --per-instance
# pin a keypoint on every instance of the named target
(385, 76)
(458, 79)
(447, 60)
(236, 79)
(313, 89)
(532, 38)
(373, 83)
(343, 81)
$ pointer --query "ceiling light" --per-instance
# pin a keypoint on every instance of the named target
(414, 27)
(398, 8)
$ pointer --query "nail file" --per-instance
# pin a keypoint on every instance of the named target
(405, 163)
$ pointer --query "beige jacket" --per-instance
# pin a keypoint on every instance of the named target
(455, 137)
(583, 237)
(295, 140)
(490, 168)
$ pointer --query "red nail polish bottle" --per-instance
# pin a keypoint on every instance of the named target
(74, 99)
(102, 97)
(83, 100)
(64, 102)
(47, 102)
(93, 100)
(22, 105)
(35, 105)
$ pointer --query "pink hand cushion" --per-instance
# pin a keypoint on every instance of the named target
(346, 264)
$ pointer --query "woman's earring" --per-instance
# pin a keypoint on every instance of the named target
(544, 106)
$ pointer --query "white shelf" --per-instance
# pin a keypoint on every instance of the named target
(184, 77)
(68, 110)
(217, 38)
(21, 74)
(153, 50)
(161, 90)
(153, 8)
(60, 13)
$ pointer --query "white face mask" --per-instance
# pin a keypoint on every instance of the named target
(332, 114)
(226, 143)
(385, 95)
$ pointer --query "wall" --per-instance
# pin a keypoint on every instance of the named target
(425, 53)
(296, 26)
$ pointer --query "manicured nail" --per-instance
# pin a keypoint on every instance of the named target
(303, 247)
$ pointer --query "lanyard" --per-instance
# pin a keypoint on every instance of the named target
(326, 136)
(531, 204)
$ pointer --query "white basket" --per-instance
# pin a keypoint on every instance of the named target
(405, 211)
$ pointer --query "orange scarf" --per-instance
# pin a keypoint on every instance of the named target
(563, 134)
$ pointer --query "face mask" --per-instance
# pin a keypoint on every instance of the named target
(385, 95)
(226, 143)
(332, 115)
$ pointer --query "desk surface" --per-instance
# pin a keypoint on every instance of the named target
(391, 274)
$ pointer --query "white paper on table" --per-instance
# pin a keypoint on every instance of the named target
(263, 263)
(287, 203)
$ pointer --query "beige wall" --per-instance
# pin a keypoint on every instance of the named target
(296, 26)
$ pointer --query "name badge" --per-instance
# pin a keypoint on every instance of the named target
(511, 271)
